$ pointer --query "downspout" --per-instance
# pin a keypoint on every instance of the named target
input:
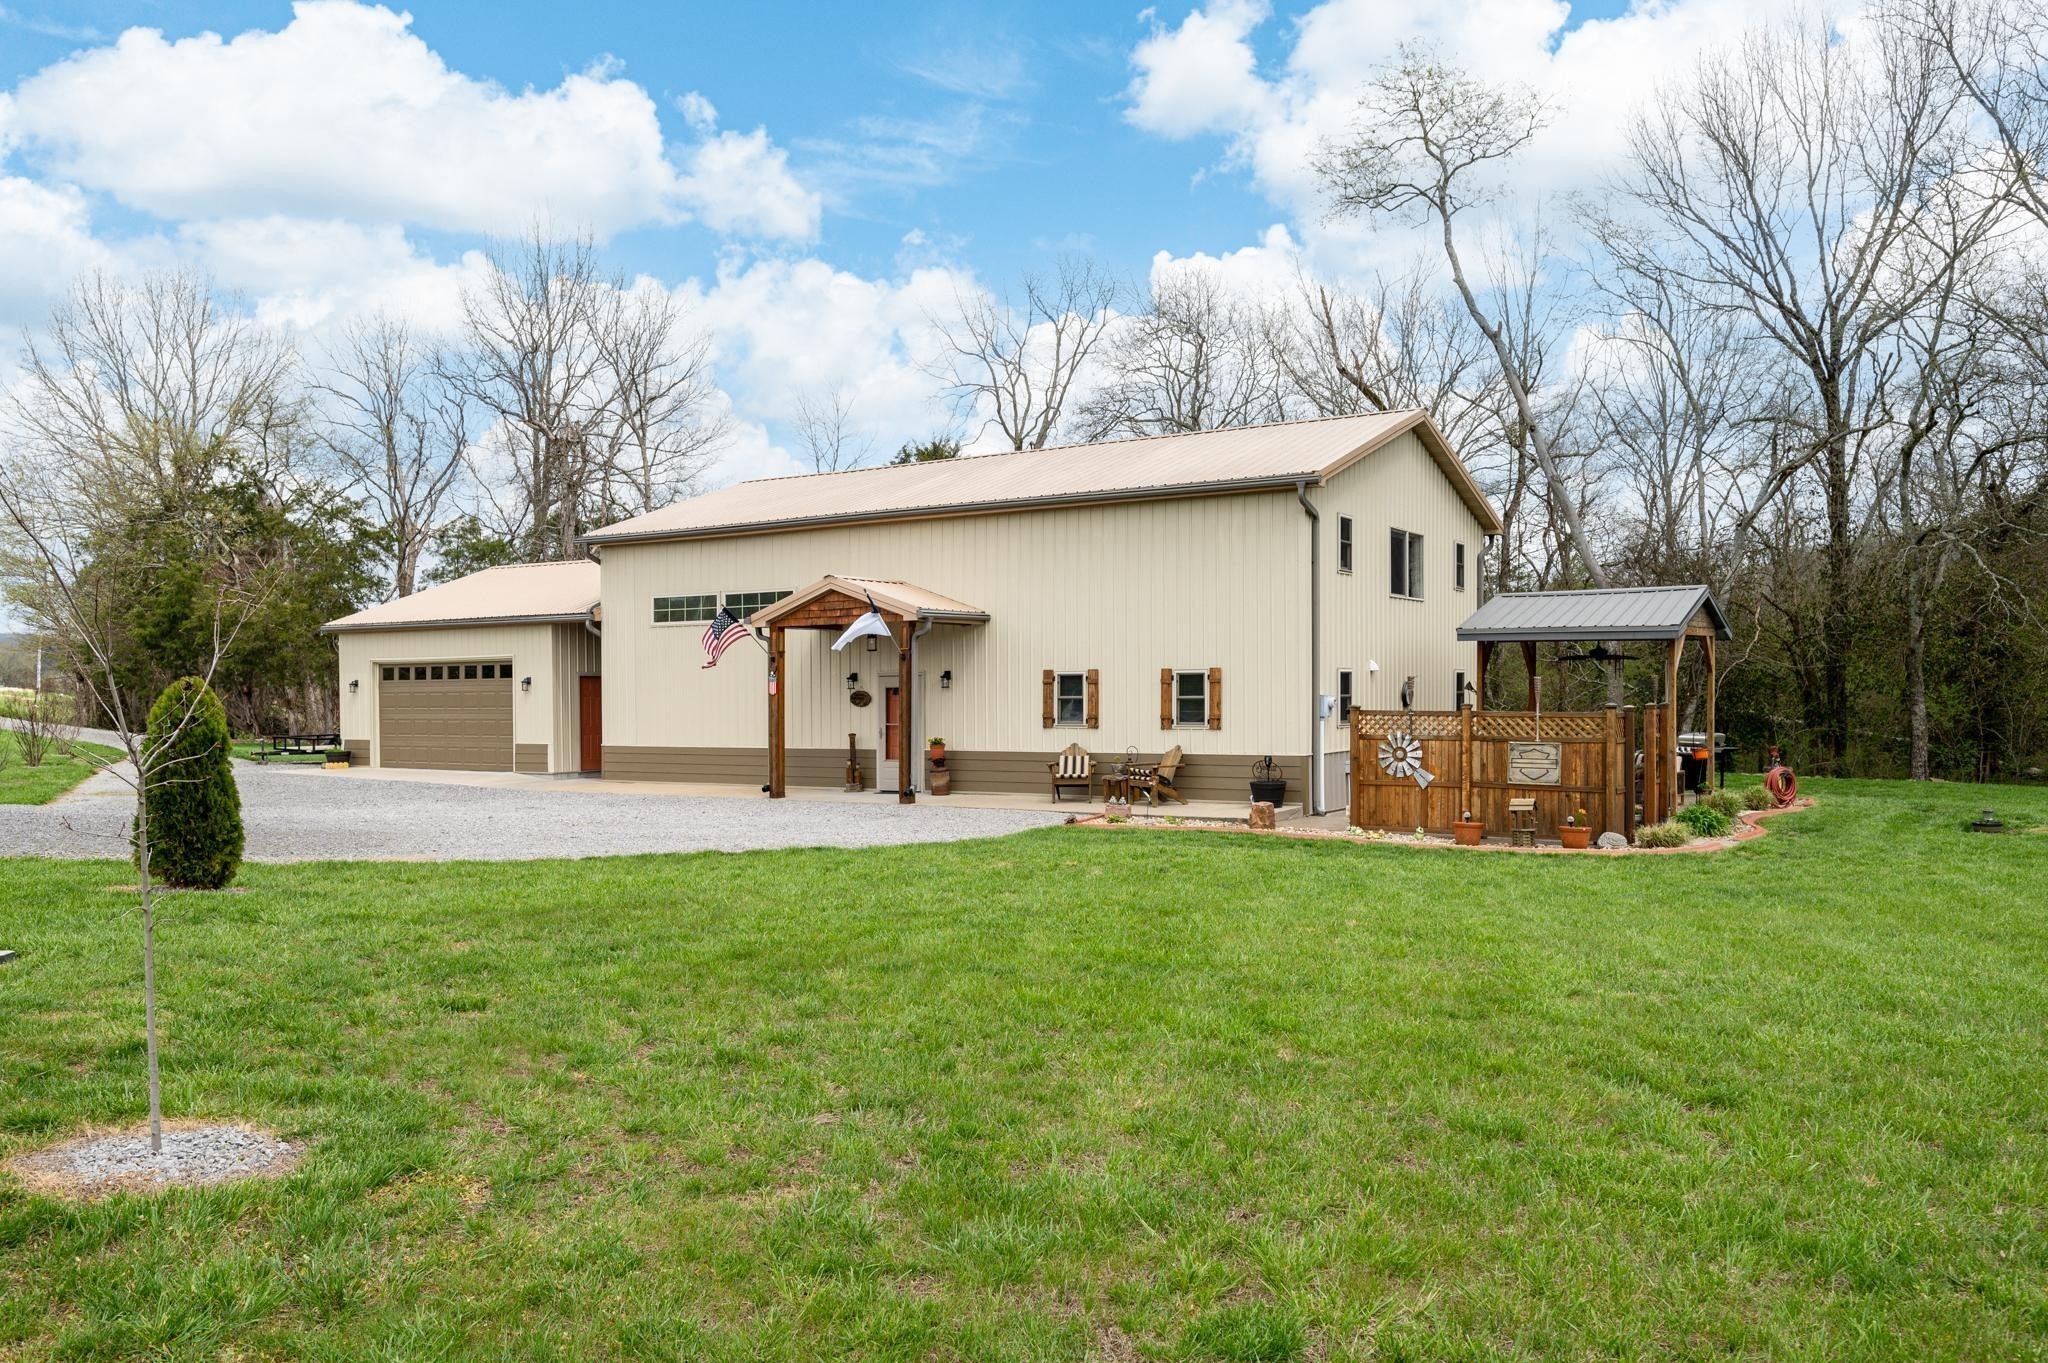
(910, 768)
(1315, 646)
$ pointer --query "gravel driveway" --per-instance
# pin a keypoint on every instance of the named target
(297, 813)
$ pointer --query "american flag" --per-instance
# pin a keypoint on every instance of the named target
(725, 630)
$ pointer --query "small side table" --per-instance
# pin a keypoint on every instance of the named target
(1116, 786)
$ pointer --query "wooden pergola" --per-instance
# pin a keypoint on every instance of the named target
(833, 603)
(1665, 616)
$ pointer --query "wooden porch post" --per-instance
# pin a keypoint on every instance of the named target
(1464, 760)
(1714, 759)
(1671, 718)
(778, 694)
(1529, 662)
(1627, 776)
(1611, 819)
(910, 757)
(1479, 691)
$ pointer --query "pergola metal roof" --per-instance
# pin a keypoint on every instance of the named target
(1613, 614)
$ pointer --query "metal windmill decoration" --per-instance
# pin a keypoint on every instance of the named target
(1401, 755)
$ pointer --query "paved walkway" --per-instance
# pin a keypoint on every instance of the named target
(302, 813)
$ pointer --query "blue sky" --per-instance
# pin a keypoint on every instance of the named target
(862, 163)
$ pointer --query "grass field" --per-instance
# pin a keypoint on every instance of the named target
(1065, 1095)
(21, 784)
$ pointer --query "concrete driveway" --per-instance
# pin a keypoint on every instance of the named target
(302, 813)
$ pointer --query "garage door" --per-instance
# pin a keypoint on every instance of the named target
(456, 716)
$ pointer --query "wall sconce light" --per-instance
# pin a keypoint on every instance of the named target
(526, 683)
(946, 680)
(352, 687)
(873, 643)
(853, 681)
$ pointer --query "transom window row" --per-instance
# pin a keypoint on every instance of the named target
(419, 672)
(676, 610)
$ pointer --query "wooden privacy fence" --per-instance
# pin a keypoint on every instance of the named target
(1481, 759)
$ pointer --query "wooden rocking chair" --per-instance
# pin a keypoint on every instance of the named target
(1159, 781)
(1074, 767)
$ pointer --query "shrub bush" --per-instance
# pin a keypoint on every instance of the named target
(195, 812)
(1727, 801)
(1705, 821)
(1756, 797)
(335, 755)
(1670, 833)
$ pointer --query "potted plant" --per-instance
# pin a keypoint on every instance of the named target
(336, 759)
(1269, 783)
(1468, 831)
(938, 747)
(1576, 832)
(941, 776)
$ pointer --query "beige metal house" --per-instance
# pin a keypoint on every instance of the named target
(1227, 592)
(497, 671)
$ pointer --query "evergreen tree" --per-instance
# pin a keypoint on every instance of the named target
(193, 809)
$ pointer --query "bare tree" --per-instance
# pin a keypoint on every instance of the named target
(824, 427)
(396, 433)
(1016, 367)
(1997, 52)
(156, 387)
(1783, 183)
(1426, 136)
(662, 419)
(1195, 359)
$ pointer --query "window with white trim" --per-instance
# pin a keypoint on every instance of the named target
(1343, 544)
(1344, 697)
(676, 610)
(1458, 567)
(1191, 699)
(1405, 560)
(1070, 698)
(1459, 700)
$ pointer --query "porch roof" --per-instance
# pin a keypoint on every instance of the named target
(1595, 615)
(904, 600)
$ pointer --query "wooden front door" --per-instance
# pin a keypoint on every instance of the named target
(590, 707)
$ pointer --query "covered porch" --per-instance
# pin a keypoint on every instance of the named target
(907, 613)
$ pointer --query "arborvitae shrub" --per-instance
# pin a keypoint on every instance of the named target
(195, 811)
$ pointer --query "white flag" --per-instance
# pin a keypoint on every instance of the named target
(871, 623)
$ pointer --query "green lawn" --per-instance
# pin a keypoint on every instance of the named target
(1066, 1095)
(21, 784)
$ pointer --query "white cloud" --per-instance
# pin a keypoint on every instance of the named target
(1203, 77)
(304, 275)
(345, 113)
(45, 241)
(697, 111)
(1200, 77)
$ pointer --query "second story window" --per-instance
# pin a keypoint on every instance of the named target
(1343, 544)
(1405, 576)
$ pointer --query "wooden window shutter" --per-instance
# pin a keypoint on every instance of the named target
(1045, 688)
(1094, 698)
(1215, 697)
(1166, 698)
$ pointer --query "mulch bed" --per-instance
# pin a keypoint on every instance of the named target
(1748, 825)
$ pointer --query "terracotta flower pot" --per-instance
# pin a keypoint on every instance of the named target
(938, 752)
(1468, 832)
(1575, 837)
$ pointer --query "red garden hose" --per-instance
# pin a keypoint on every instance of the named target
(1782, 784)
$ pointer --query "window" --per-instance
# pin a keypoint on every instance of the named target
(1344, 697)
(1406, 559)
(676, 610)
(437, 673)
(390, 674)
(1070, 698)
(1343, 544)
(744, 604)
(1191, 698)
(1458, 566)
(1458, 701)
(469, 671)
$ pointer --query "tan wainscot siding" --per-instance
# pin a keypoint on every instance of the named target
(544, 720)
(1190, 584)
(1397, 487)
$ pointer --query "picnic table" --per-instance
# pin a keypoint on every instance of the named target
(295, 745)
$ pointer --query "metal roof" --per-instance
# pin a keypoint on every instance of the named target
(1238, 458)
(1609, 613)
(905, 600)
(517, 594)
